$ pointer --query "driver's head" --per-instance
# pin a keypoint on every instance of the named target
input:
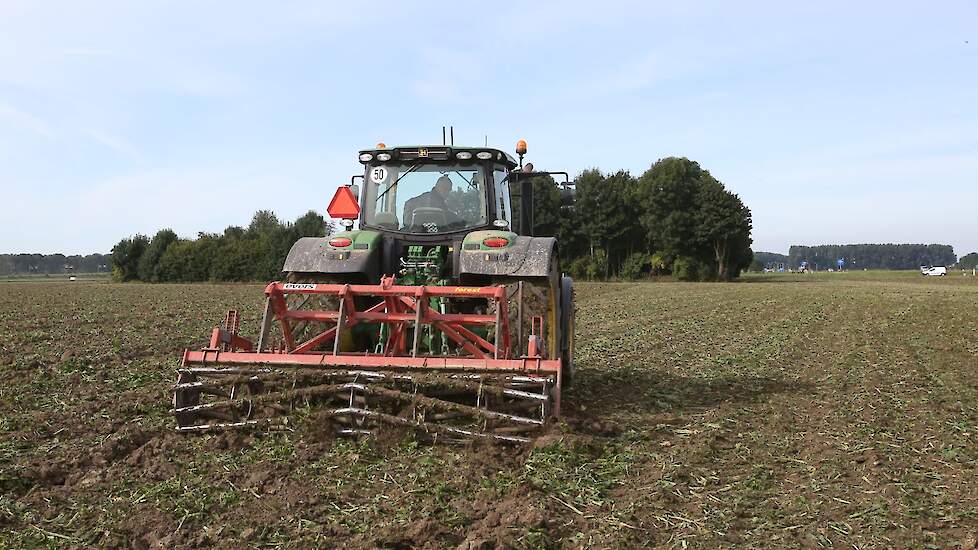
(443, 186)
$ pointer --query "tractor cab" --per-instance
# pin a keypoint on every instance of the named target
(438, 207)
(435, 190)
(437, 193)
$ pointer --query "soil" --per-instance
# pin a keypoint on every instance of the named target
(825, 413)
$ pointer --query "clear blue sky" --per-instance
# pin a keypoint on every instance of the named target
(835, 122)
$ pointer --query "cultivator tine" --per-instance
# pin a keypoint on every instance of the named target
(429, 427)
(266, 326)
(263, 398)
(477, 391)
(233, 425)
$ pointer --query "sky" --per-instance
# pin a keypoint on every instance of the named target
(835, 122)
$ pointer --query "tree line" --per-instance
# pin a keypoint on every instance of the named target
(674, 219)
(872, 256)
(968, 261)
(866, 256)
(48, 264)
(769, 260)
(255, 253)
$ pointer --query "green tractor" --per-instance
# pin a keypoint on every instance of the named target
(441, 312)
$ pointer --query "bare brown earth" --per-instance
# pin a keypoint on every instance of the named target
(802, 411)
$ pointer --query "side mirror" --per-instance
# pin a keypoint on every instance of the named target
(354, 187)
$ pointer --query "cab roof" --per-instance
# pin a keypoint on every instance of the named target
(435, 153)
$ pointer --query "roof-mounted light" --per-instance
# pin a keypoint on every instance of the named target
(484, 155)
(366, 157)
(463, 155)
(382, 145)
(521, 147)
(383, 157)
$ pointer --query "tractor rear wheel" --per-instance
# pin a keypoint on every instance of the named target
(303, 330)
(567, 314)
(530, 299)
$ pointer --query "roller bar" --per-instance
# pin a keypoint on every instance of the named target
(213, 357)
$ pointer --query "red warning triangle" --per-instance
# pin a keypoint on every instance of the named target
(344, 205)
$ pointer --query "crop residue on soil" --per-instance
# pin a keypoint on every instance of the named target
(780, 412)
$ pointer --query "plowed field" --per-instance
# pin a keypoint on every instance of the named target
(813, 411)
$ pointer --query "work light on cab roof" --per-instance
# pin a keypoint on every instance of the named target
(442, 312)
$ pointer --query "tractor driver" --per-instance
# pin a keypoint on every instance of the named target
(436, 198)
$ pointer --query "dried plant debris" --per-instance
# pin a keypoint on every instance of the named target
(816, 412)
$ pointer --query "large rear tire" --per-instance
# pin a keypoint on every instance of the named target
(304, 330)
(567, 314)
(540, 298)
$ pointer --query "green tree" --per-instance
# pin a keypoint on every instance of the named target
(636, 265)
(603, 213)
(658, 264)
(667, 195)
(190, 260)
(312, 224)
(262, 223)
(625, 236)
(261, 256)
(692, 222)
(770, 259)
(687, 268)
(236, 261)
(723, 225)
(591, 211)
(125, 257)
(149, 262)
(968, 261)
(233, 232)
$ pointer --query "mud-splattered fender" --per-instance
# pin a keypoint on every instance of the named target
(316, 255)
(522, 257)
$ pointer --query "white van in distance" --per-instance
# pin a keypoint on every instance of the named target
(935, 271)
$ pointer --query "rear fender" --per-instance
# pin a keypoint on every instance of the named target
(316, 255)
(522, 257)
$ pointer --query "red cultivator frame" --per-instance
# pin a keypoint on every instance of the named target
(474, 388)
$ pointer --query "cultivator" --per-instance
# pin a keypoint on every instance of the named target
(448, 362)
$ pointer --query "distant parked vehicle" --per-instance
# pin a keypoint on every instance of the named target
(934, 271)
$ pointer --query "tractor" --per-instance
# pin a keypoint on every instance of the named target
(440, 313)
